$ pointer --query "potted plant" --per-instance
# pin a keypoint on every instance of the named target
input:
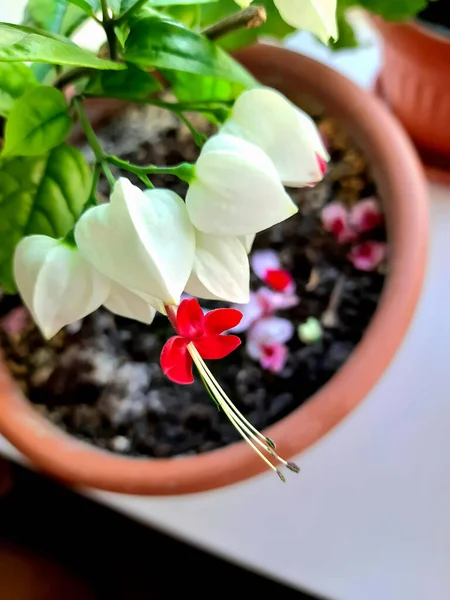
(114, 401)
(413, 81)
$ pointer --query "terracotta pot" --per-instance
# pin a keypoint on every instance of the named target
(402, 189)
(415, 82)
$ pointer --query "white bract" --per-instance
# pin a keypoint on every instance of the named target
(125, 303)
(56, 283)
(144, 241)
(236, 190)
(59, 286)
(247, 241)
(285, 133)
(221, 269)
(316, 16)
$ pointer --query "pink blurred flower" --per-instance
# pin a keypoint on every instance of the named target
(251, 312)
(15, 321)
(266, 265)
(263, 303)
(367, 255)
(365, 215)
(335, 219)
(346, 224)
(266, 342)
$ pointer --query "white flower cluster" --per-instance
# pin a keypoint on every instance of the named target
(316, 16)
(141, 250)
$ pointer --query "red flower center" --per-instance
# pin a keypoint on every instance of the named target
(371, 220)
(365, 250)
(337, 226)
(205, 332)
(278, 279)
(268, 351)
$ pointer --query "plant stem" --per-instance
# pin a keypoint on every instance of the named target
(128, 13)
(108, 26)
(92, 200)
(92, 139)
(183, 171)
(71, 75)
(146, 181)
(199, 138)
(172, 315)
(205, 106)
(88, 131)
(249, 18)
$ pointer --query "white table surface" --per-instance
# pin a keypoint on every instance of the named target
(368, 518)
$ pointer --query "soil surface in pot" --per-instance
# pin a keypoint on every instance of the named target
(100, 380)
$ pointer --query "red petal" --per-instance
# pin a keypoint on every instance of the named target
(190, 319)
(176, 362)
(278, 279)
(216, 346)
(322, 164)
(221, 319)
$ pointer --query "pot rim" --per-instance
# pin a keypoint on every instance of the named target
(430, 30)
(400, 180)
(418, 26)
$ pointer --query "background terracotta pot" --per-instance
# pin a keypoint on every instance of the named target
(401, 186)
(415, 82)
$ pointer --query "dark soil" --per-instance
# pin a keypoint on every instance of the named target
(101, 380)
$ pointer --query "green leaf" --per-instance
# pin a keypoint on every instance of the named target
(198, 88)
(45, 14)
(121, 6)
(166, 44)
(179, 2)
(346, 38)
(19, 44)
(89, 6)
(38, 121)
(40, 194)
(128, 85)
(73, 19)
(15, 80)
(394, 10)
(274, 27)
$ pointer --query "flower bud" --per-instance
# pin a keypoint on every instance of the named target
(236, 190)
(285, 133)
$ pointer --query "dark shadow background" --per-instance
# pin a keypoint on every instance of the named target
(53, 539)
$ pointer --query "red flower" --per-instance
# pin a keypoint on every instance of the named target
(204, 332)
(278, 279)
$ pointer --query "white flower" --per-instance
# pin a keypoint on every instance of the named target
(247, 241)
(221, 269)
(287, 135)
(59, 286)
(126, 303)
(236, 190)
(142, 240)
(56, 283)
(317, 16)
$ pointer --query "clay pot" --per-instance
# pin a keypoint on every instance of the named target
(402, 189)
(415, 82)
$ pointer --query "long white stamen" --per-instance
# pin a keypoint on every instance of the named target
(244, 427)
(209, 381)
(265, 441)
